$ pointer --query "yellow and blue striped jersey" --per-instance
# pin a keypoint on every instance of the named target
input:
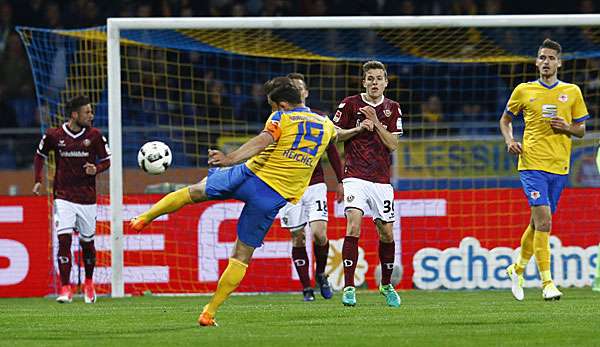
(301, 138)
(543, 148)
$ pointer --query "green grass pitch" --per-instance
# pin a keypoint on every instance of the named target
(436, 318)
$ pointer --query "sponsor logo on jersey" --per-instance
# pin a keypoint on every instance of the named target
(563, 98)
(74, 154)
(61, 143)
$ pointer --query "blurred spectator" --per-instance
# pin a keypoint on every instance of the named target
(256, 109)
(218, 106)
(52, 18)
(16, 75)
(238, 9)
(464, 7)
(6, 24)
(587, 7)
(492, 7)
(8, 117)
(313, 8)
(431, 110)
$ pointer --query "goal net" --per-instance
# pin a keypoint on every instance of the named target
(196, 84)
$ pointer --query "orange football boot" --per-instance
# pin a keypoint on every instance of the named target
(137, 224)
(206, 319)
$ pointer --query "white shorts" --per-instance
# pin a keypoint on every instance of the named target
(69, 215)
(377, 198)
(312, 207)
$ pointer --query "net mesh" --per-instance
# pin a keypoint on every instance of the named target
(201, 89)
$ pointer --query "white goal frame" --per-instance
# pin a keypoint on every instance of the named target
(115, 25)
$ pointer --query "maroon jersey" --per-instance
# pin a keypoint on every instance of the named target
(367, 157)
(72, 151)
(334, 159)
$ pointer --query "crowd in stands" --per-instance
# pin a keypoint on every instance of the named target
(17, 98)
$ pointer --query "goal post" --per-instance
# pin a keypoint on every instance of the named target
(195, 84)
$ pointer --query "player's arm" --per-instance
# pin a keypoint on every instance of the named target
(346, 134)
(249, 149)
(271, 133)
(506, 128)
(390, 140)
(345, 125)
(560, 125)
(41, 154)
(103, 152)
(336, 164)
(513, 107)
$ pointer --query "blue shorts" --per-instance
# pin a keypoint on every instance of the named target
(262, 202)
(542, 188)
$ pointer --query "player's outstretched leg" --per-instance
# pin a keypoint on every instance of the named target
(169, 203)
(516, 282)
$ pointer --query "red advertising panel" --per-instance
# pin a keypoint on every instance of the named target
(24, 247)
(444, 239)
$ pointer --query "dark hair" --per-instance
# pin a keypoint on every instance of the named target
(296, 76)
(551, 45)
(74, 104)
(282, 89)
(373, 65)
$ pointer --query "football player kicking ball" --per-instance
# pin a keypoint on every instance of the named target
(367, 176)
(280, 161)
(553, 112)
(312, 210)
(81, 153)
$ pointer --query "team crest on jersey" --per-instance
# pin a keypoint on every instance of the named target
(535, 195)
(350, 198)
(285, 220)
(87, 142)
(387, 113)
(563, 98)
(337, 116)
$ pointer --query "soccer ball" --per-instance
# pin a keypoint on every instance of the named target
(155, 157)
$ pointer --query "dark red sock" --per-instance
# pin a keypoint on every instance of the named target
(64, 258)
(350, 257)
(321, 255)
(89, 257)
(301, 263)
(387, 253)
